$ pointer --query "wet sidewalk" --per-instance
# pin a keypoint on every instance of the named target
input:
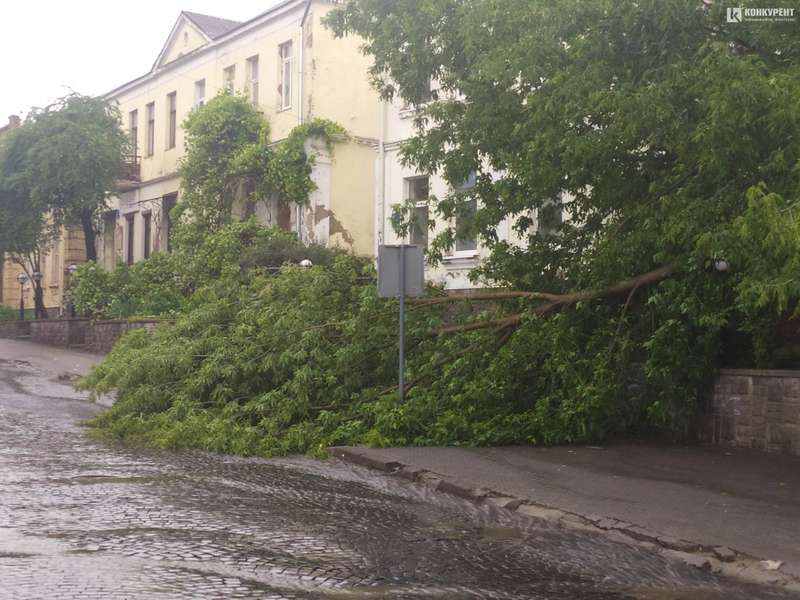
(685, 498)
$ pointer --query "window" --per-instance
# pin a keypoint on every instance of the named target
(228, 79)
(431, 94)
(285, 86)
(109, 240)
(199, 93)
(172, 110)
(131, 232)
(147, 221)
(551, 216)
(151, 129)
(133, 127)
(167, 204)
(252, 79)
(55, 264)
(467, 243)
(417, 192)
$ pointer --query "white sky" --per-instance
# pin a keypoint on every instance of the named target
(91, 46)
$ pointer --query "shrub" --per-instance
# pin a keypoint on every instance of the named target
(8, 314)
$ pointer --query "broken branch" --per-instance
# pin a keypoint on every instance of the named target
(561, 300)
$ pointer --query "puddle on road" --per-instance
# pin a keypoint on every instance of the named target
(17, 544)
(112, 479)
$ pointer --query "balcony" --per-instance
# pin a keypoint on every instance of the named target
(131, 174)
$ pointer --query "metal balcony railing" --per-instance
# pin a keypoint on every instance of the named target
(133, 168)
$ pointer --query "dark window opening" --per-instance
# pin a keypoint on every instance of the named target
(167, 204)
(147, 217)
(131, 232)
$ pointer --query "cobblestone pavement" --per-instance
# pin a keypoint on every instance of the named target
(80, 519)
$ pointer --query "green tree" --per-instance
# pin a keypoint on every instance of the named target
(67, 160)
(230, 161)
(667, 135)
(25, 230)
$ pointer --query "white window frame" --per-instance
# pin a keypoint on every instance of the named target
(199, 98)
(229, 78)
(285, 76)
(150, 140)
(172, 120)
(252, 78)
(466, 254)
(423, 203)
(133, 131)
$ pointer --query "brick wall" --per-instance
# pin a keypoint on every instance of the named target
(755, 409)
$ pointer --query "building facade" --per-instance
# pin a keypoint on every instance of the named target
(293, 70)
(399, 184)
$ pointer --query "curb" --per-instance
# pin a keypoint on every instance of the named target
(715, 558)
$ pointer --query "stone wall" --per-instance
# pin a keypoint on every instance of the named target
(755, 409)
(102, 335)
(59, 332)
(15, 329)
(85, 334)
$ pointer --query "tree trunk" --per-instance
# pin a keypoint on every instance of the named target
(89, 236)
(38, 300)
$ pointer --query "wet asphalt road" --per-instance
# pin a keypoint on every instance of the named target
(80, 519)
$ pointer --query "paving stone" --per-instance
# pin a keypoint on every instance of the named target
(80, 519)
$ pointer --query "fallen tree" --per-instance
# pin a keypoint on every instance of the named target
(671, 152)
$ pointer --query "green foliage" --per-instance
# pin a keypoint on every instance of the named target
(162, 284)
(63, 164)
(149, 288)
(8, 314)
(230, 160)
(669, 136)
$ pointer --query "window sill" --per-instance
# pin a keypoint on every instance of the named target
(284, 109)
(464, 256)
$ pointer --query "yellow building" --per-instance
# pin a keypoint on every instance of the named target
(293, 70)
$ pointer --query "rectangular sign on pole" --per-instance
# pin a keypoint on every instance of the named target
(401, 273)
(389, 271)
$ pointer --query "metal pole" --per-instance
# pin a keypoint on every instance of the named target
(21, 302)
(402, 386)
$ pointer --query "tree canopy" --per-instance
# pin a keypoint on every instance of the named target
(66, 160)
(671, 139)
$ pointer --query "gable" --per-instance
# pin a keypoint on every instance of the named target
(184, 38)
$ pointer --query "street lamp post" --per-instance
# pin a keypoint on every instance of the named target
(23, 279)
(68, 291)
(37, 278)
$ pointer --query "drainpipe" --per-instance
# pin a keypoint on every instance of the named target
(300, 70)
(381, 229)
(299, 209)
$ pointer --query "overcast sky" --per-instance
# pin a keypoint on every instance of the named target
(90, 46)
